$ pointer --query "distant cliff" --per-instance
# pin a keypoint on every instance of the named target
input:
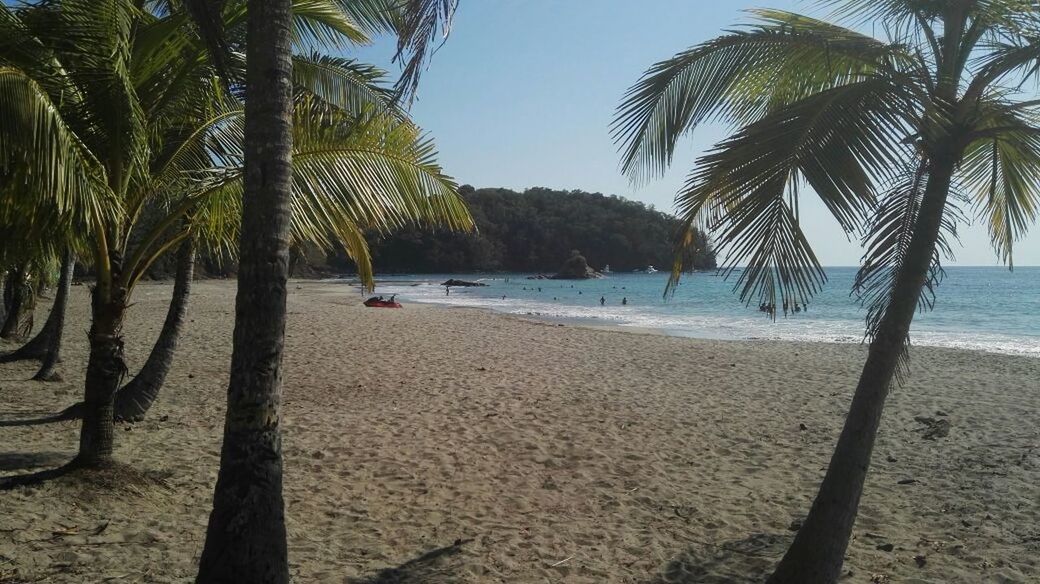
(531, 231)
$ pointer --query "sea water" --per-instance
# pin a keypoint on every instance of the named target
(989, 309)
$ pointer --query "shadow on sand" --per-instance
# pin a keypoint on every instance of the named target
(438, 566)
(22, 460)
(743, 561)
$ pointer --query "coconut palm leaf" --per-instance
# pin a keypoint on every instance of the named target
(1001, 173)
(352, 173)
(41, 155)
(887, 242)
(739, 78)
(420, 24)
(838, 142)
(344, 83)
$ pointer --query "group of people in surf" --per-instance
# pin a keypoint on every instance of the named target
(789, 307)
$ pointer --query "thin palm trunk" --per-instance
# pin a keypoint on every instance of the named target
(135, 398)
(3, 297)
(49, 338)
(245, 538)
(818, 551)
(106, 369)
(19, 306)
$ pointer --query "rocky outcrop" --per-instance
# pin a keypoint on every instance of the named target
(462, 283)
(576, 268)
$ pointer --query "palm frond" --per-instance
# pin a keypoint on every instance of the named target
(741, 77)
(419, 24)
(840, 142)
(43, 159)
(324, 24)
(887, 242)
(351, 173)
(345, 83)
(1001, 173)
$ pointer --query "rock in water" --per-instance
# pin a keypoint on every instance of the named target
(462, 283)
(576, 268)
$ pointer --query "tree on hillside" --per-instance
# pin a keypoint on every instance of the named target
(534, 230)
(892, 135)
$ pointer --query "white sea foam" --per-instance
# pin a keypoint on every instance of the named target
(734, 327)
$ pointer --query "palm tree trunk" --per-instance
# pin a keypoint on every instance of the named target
(245, 539)
(16, 298)
(818, 550)
(50, 335)
(135, 398)
(3, 297)
(106, 369)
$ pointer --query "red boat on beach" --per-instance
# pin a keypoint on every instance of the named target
(380, 302)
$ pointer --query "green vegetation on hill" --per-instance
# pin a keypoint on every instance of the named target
(535, 231)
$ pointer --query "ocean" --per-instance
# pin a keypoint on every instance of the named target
(981, 308)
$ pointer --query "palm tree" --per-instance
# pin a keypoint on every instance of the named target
(245, 537)
(891, 135)
(136, 126)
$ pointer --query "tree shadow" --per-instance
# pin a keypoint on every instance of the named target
(73, 412)
(438, 566)
(23, 460)
(33, 479)
(743, 561)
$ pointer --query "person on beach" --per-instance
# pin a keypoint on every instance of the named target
(624, 301)
(602, 300)
(447, 290)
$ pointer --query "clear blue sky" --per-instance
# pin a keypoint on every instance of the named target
(523, 92)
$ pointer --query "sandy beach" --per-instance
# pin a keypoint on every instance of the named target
(443, 445)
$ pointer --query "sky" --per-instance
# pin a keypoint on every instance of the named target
(523, 92)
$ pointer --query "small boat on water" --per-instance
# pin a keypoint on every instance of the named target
(380, 302)
(651, 270)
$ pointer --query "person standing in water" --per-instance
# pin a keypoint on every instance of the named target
(624, 301)
(602, 300)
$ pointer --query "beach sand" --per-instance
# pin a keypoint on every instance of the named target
(441, 445)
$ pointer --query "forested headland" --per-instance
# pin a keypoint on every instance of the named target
(535, 231)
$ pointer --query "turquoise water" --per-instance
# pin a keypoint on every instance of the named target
(988, 309)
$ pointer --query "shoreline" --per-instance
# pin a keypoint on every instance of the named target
(607, 324)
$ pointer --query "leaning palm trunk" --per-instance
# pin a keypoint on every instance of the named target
(818, 551)
(245, 538)
(49, 338)
(135, 398)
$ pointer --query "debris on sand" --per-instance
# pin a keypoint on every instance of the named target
(932, 428)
